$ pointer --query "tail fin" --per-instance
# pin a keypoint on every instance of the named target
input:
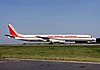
(12, 31)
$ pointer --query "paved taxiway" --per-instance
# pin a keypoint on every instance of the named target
(46, 65)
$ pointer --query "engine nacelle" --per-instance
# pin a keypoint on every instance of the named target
(62, 41)
(89, 42)
(56, 41)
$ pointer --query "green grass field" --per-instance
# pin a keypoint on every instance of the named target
(66, 53)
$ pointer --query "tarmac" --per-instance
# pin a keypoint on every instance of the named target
(47, 65)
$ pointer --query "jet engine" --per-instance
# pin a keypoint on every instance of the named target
(56, 41)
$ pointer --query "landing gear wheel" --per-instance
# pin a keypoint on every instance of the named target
(50, 43)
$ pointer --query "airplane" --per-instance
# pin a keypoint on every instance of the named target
(49, 38)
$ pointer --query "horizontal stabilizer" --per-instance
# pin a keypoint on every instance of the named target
(9, 36)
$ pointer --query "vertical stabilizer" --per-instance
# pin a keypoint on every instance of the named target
(12, 31)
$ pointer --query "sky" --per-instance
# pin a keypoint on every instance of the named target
(49, 17)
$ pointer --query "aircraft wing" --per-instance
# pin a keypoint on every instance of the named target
(52, 39)
(43, 37)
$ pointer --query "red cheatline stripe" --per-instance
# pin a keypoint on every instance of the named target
(54, 37)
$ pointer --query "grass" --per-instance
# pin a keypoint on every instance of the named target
(67, 53)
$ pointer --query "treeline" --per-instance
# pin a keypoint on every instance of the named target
(98, 40)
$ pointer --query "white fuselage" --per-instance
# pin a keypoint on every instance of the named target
(55, 38)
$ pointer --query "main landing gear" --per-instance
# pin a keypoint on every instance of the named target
(51, 43)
